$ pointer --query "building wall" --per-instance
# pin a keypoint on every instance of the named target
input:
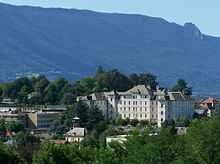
(41, 120)
(155, 107)
(46, 119)
(134, 107)
(181, 109)
(163, 112)
(32, 120)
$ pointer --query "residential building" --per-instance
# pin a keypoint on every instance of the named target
(142, 103)
(209, 103)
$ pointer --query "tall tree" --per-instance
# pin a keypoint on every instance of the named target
(181, 86)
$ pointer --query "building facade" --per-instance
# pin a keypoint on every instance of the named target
(41, 120)
(76, 134)
(143, 103)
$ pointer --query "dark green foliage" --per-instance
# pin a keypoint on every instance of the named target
(15, 126)
(8, 155)
(202, 141)
(3, 126)
(200, 145)
(38, 90)
(26, 145)
(69, 154)
(134, 122)
(181, 86)
(10, 126)
(90, 118)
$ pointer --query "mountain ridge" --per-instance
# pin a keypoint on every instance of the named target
(72, 43)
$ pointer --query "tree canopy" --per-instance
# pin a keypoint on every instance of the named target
(39, 90)
(182, 86)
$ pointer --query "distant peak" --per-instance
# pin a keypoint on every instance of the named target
(194, 30)
(191, 26)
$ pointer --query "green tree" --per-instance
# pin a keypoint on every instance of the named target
(27, 145)
(134, 122)
(15, 126)
(148, 79)
(8, 155)
(202, 140)
(134, 78)
(50, 95)
(181, 86)
(100, 70)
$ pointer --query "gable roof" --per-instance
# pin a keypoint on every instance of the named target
(140, 89)
(76, 132)
(177, 96)
(209, 100)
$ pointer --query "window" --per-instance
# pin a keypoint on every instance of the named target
(161, 112)
(161, 119)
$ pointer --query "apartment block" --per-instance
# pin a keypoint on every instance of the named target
(142, 103)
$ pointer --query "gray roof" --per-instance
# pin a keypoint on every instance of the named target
(76, 132)
(140, 89)
(99, 96)
(159, 94)
(177, 96)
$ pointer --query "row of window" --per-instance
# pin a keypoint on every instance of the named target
(134, 97)
(132, 116)
(134, 109)
(133, 102)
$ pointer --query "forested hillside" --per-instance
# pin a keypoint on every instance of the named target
(72, 43)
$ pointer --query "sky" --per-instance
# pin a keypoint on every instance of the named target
(204, 13)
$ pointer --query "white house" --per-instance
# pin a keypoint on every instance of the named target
(76, 134)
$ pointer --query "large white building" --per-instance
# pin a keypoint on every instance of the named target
(142, 103)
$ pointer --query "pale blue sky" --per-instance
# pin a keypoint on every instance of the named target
(204, 13)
